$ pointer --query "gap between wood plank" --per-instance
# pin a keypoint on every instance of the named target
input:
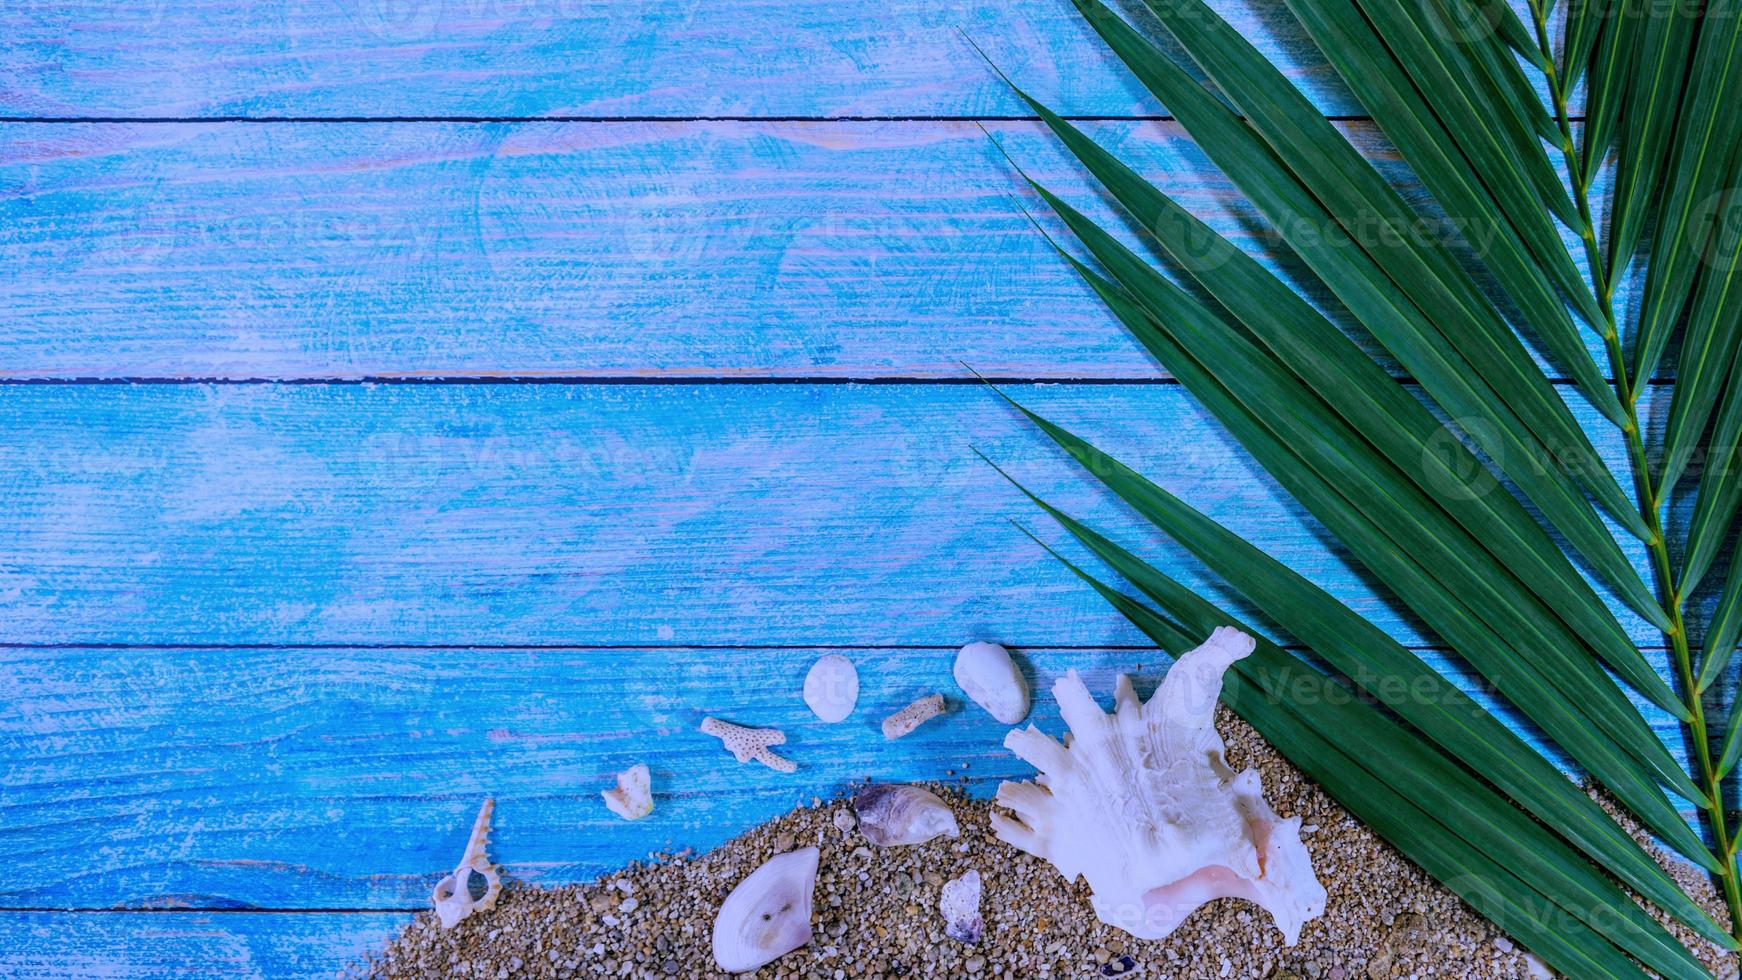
(150, 120)
(1138, 648)
(195, 910)
(673, 379)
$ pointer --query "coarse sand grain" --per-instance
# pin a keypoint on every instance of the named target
(876, 911)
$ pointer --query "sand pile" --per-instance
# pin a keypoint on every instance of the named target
(876, 912)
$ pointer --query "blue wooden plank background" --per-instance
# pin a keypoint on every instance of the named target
(682, 58)
(721, 249)
(620, 347)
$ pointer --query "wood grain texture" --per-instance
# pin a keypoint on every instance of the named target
(347, 778)
(609, 514)
(856, 250)
(188, 945)
(581, 57)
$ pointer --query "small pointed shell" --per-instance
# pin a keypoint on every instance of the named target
(987, 675)
(633, 797)
(768, 915)
(832, 688)
(475, 882)
(913, 716)
(894, 816)
(959, 904)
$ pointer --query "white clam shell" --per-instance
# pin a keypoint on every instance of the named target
(959, 904)
(1143, 805)
(832, 688)
(769, 914)
(987, 675)
(633, 797)
(896, 816)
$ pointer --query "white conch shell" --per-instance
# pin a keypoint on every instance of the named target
(832, 688)
(959, 904)
(913, 716)
(1142, 804)
(769, 914)
(987, 675)
(893, 816)
(475, 883)
(633, 797)
(750, 743)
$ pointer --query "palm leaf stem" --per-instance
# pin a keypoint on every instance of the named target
(1648, 494)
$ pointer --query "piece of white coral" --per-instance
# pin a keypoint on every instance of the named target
(1142, 804)
(633, 797)
(903, 722)
(750, 743)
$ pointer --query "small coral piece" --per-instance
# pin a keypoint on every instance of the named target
(633, 797)
(1143, 805)
(475, 883)
(913, 716)
(750, 743)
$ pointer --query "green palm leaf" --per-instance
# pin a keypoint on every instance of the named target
(1376, 301)
(1521, 245)
(1378, 221)
(1702, 163)
(1720, 485)
(1497, 53)
(1725, 630)
(1584, 19)
(1386, 414)
(1660, 64)
(1367, 455)
(1611, 68)
(1503, 22)
(1480, 120)
(1710, 344)
(1331, 464)
(1732, 748)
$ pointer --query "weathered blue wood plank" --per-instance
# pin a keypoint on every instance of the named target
(347, 778)
(724, 249)
(580, 57)
(188, 945)
(517, 514)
